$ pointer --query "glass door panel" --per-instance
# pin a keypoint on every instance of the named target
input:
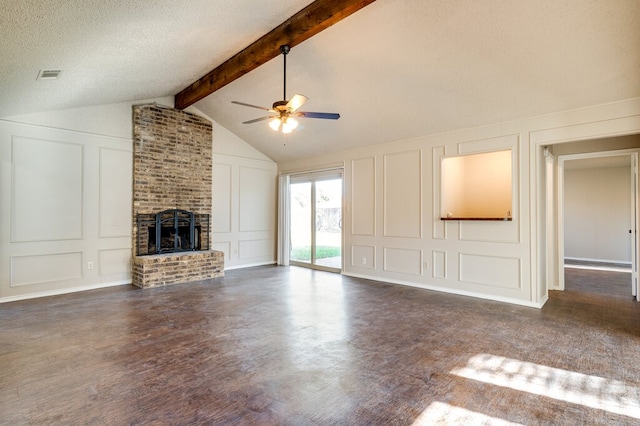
(328, 223)
(301, 224)
(316, 221)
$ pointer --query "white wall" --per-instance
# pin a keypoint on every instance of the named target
(391, 195)
(65, 211)
(598, 217)
(244, 200)
(244, 210)
(65, 193)
(393, 230)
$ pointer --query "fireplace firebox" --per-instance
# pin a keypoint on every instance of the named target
(172, 231)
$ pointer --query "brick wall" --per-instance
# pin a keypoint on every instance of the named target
(176, 268)
(172, 169)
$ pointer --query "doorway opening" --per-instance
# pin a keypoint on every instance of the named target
(315, 220)
(597, 222)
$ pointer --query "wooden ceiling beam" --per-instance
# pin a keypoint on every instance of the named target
(308, 22)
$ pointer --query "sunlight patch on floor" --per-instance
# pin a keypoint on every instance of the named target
(441, 414)
(576, 388)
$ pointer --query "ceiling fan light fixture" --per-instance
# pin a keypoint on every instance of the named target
(289, 124)
(275, 124)
(285, 124)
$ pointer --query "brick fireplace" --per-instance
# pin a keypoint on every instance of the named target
(172, 171)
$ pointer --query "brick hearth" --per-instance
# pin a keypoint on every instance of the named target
(175, 268)
(172, 169)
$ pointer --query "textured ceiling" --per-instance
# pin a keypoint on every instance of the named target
(121, 50)
(394, 70)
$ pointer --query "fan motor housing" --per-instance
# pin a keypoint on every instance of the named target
(280, 105)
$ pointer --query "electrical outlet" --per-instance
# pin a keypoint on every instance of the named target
(364, 260)
(426, 265)
(89, 265)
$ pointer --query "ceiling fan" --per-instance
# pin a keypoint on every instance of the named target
(283, 113)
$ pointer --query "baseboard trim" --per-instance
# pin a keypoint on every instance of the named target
(249, 265)
(598, 261)
(494, 298)
(62, 291)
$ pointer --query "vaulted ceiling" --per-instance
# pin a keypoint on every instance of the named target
(394, 70)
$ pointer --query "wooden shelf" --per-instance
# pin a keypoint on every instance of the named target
(499, 219)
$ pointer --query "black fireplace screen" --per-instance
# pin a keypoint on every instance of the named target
(172, 231)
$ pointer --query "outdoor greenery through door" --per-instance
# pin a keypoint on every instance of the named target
(316, 222)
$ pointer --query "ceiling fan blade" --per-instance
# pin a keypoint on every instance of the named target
(252, 106)
(296, 102)
(326, 115)
(255, 120)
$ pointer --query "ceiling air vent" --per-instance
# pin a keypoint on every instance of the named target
(48, 74)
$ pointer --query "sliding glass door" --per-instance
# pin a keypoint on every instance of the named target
(301, 223)
(316, 220)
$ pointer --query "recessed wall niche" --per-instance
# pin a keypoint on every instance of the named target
(477, 186)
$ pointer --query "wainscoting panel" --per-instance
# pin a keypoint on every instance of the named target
(115, 193)
(221, 198)
(489, 231)
(244, 210)
(47, 178)
(66, 195)
(257, 189)
(402, 194)
(46, 268)
(492, 271)
(254, 249)
(405, 261)
(114, 261)
(439, 264)
(363, 190)
(363, 256)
